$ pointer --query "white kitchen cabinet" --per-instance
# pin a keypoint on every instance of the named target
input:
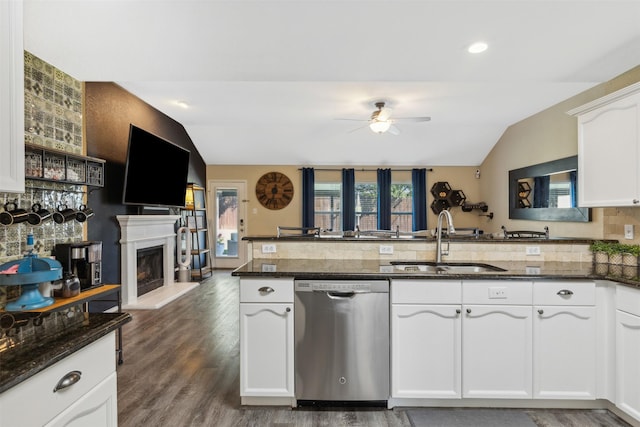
(426, 350)
(628, 350)
(609, 149)
(11, 97)
(497, 339)
(92, 400)
(266, 338)
(564, 340)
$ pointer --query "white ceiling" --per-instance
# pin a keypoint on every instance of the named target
(266, 80)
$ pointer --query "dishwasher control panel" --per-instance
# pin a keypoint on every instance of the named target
(341, 286)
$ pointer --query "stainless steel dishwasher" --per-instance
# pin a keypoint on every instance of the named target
(342, 342)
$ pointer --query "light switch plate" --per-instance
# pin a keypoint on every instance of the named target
(628, 231)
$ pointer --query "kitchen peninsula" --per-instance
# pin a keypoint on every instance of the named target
(566, 328)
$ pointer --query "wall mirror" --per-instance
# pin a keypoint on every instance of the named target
(546, 192)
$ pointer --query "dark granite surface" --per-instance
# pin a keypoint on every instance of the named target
(327, 269)
(30, 342)
(456, 238)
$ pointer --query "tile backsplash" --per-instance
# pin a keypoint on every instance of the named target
(53, 119)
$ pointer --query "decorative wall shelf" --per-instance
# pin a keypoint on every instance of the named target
(47, 164)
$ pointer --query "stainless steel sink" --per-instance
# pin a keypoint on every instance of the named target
(445, 267)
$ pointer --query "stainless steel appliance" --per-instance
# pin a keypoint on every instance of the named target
(83, 260)
(342, 342)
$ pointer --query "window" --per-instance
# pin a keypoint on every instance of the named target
(402, 207)
(327, 205)
(367, 206)
(328, 209)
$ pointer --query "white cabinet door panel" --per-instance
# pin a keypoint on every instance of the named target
(426, 352)
(497, 347)
(628, 363)
(565, 350)
(266, 350)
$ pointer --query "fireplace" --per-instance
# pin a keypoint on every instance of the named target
(147, 232)
(149, 269)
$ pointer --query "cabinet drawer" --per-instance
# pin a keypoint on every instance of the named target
(496, 292)
(426, 292)
(564, 293)
(628, 299)
(266, 290)
(95, 361)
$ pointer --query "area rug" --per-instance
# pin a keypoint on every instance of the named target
(462, 417)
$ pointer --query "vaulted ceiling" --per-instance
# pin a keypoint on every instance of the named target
(266, 82)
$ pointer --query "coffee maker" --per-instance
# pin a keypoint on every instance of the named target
(82, 259)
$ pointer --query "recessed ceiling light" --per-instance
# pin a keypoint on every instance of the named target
(477, 47)
(182, 104)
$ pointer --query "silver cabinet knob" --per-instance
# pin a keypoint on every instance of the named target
(541, 311)
(636, 201)
(288, 310)
(458, 311)
(468, 311)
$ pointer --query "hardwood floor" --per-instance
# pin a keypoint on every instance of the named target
(181, 368)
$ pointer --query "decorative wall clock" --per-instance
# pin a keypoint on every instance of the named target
(274, 190)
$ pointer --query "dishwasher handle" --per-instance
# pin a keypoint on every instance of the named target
(342, 294)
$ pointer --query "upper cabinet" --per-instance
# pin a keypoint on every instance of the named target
(609, 149)
(11, 97)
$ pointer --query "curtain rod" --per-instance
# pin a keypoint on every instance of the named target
(365, 170)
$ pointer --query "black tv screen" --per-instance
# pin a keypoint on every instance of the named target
(156, 172)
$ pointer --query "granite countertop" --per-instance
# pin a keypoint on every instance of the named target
(328, 269)
(483, 238)
(31, 341)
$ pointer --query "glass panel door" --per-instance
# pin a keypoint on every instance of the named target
(229, 224)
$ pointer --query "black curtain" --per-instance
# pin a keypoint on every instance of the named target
(419, 181)
(541, 191)
(384, 199)
(348, 200)
(308, 196)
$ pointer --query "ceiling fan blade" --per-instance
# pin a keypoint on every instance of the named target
(414, 119)
(358, 128)
(393, 130)
(384, 114)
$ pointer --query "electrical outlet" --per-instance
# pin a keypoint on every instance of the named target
(532, 270)
(269, 249)
(628, 231)
(386, 249)
(533, 250)
(497, 292)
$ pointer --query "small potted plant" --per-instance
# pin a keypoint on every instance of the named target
(601, 251)
(630, 254)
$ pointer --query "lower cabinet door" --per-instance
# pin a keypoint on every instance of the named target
(497, 353)
(628, 363)
(426, 352)
(266, 350)
(97, 408)
(564, 344)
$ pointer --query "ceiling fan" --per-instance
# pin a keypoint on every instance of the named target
(381, 121)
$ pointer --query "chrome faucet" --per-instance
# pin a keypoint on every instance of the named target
(450, 230)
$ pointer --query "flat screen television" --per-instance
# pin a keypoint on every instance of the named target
(156, 171)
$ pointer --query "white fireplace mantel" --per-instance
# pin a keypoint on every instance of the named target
(147, 231)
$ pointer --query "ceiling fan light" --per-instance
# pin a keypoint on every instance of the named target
(379, 126)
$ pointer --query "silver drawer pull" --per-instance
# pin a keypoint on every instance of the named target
(565, 292)
(541, 312)
(266, 290)
(68, 380)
